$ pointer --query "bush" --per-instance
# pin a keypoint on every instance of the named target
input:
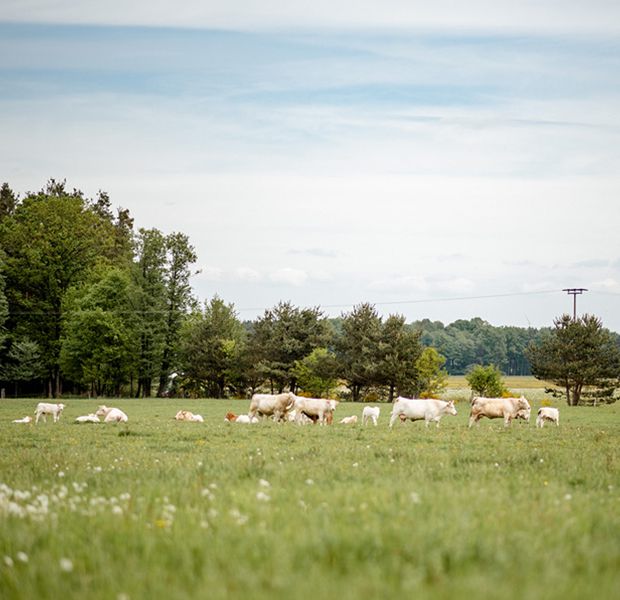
(486, 381)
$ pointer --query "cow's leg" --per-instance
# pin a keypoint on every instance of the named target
(472, 420)
(507, 420)
(374, 420)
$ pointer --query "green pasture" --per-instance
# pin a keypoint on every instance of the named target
(159, 509)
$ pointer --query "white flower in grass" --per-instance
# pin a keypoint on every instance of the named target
(309, 481)
(415, 497)
(117, 510)
(355, 465)
(568, 497)
(66, 565)
(262, 497)
(61, 473)
(8, 561)
(264, 483)
(22, 557)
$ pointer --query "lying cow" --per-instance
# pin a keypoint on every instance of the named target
(186, 415)
(352, 420)
(499, 408)
(547, 413)
(91, 418)
(370, 413)
(417, 409)
(276, 405)
(24, 420)
(111, 415)
(320, 410)
(233, 418)
(47, 408)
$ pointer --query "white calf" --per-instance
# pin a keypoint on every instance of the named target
(186, 415)
(47, 408)
(547, 413)
(91, 418)
(24, 420)
(246, 419)
(352, 420)
(111, 415)
(372, 413)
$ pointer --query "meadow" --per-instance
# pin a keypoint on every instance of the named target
(161, 509)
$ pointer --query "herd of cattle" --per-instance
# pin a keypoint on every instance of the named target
(301, 410)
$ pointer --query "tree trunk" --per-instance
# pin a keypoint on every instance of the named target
(391, 396)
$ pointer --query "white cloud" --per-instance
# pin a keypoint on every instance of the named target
(247, 274)
(289, 276)
(505, 15)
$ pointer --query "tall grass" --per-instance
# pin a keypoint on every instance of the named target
(161, 509)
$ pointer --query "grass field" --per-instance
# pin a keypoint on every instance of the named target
(159, 509)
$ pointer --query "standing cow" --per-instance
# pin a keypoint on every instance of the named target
(547, 413)
(417, 409)
(320, 410)
(277, 405)
(499, 408)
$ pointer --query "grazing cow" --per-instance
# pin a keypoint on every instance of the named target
(271, 404)
(547, 413)
(320, 410)
(111, 415)
(416, 409)
(370, 413)
(352, 420)
(24, 420)
(186, 415)
(498, 408)
(47, 408)
(91, 418)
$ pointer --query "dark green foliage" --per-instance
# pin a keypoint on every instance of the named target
(51, 240)
(283, 336)
(581, 357)
(211, 344)
(100, 346)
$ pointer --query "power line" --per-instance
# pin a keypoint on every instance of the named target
(425, 300)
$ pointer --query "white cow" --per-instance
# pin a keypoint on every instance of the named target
(352, 420)
(547, 413)
(47, 408)
(246, 419)
(91, 418)
(291, 417)
(271, 404)
(24, 420)
(370, 413)
(111, 415)
(417, 409)
(499, 408)
(186, 415)
(317, 409)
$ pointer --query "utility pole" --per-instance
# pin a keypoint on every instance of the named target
(574, 292)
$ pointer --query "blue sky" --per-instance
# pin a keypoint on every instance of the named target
(328, 158)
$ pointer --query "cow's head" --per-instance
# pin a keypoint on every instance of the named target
(102, 410)
(450, 408)
(61, 406)
(523, 408)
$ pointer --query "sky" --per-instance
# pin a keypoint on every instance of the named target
(443, 160)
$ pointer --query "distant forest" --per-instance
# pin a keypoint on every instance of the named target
(465, 343)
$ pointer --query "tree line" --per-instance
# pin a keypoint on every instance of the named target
(91, 305)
